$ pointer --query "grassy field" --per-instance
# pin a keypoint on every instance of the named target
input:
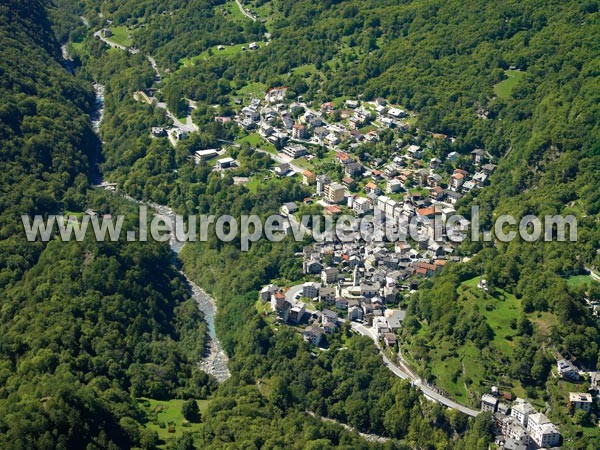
(304, 69)
(505, 87)
(228, 50)
(169, 413)
(339, 102)
(231, 11)
(499, 309)
(579, 280)
(255, 140)
(467, 371)
(121, 35)
(77, 46)
(253, 90)
(461, 372)
(313, 164)
(254, 183)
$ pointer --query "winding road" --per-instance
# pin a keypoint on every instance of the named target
(216, 363)
(188, 126)
(401, 369)
(98, 34)
(405, 373)
(244, 12)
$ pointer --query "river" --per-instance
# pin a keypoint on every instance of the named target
(214, 361)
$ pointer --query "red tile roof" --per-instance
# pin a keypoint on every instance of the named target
(332, 209)
(426, 211)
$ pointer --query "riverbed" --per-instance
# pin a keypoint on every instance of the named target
(214, 361)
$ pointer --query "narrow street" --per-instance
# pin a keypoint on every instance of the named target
(244, 12)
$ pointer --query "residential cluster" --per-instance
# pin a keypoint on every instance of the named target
(520, 426)
(343, 300)
(405, 186)
(363, 280)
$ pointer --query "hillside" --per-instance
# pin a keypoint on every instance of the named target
(454, 64)
(87, 329)
(84, 327)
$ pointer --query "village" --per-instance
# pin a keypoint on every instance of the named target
(359, 279)
(364, 283)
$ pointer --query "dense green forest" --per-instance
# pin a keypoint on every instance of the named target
(88, 327)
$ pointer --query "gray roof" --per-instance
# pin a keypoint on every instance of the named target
(396, 319)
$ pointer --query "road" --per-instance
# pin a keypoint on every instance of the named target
(280, 160)
(401, 370)
(291, 293)
(593, 274)
(406, 374)
(155, 67)
(98, 34)
(188, 126)
(244, 12)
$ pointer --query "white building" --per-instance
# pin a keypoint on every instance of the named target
(521, 411)
(225, 163)
(489, 402)
(310, 289)
(332, 139)
(362, 205)
(580, 400)
(204, 155)
(355, 313)
(393, 185)
(396, 113)
(415, 151)
(295, 150)
(567, 369)
(543, 432)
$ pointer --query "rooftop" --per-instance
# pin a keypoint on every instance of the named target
(580, 397)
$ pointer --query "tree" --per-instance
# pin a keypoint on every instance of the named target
(190, 411)
(185, 442)
(525, 327)
(581, 417)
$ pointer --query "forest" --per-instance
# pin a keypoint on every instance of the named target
(88, 328)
